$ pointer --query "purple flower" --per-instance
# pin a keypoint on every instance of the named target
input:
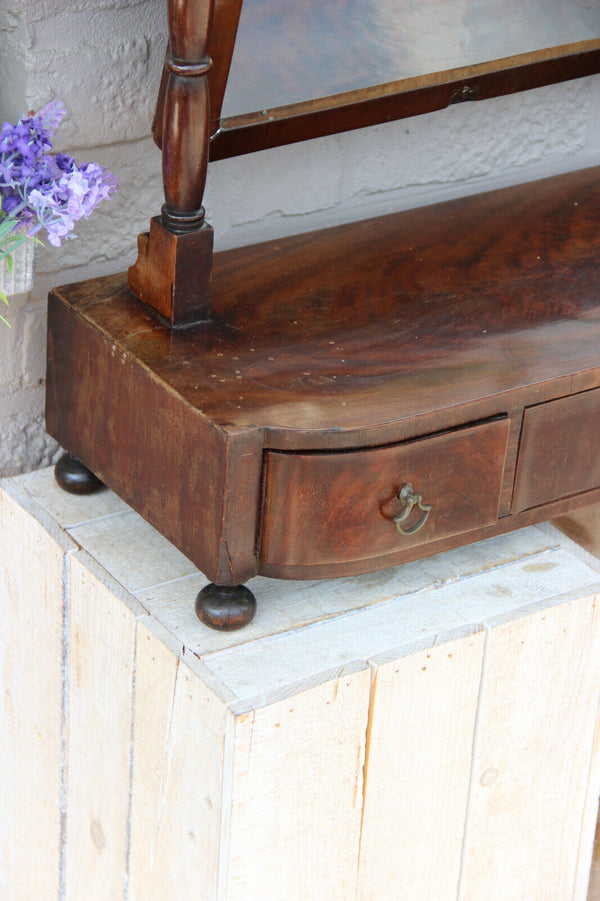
(52, 115)
(9, 203)
(40, 190)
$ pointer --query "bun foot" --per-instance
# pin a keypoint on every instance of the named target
(225, 607)
(74, 477)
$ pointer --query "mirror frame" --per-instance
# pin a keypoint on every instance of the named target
(172, 271)
(372, 105)
(402, 99)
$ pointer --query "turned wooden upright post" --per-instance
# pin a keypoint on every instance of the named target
(172, 272)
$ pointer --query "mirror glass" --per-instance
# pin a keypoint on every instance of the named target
(294, 51)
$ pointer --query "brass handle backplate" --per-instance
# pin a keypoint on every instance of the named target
(410, 499)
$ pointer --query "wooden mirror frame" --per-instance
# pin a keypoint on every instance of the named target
(172, 273)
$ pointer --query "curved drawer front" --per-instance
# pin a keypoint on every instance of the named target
(327, 508)
(560, 450)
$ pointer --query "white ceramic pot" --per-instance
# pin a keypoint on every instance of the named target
(20, 279)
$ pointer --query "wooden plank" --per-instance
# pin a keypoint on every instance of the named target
(180, 731)
(32, 558)
(297, 794)
(584, 528)
(594, 885)
(423, 711)
(226, 798)
(587, 877)
(533, 752)
(100, 655)
(473, 588)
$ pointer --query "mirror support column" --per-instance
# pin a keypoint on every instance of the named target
(172, 272)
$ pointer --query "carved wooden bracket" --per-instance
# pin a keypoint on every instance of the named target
(172, 272)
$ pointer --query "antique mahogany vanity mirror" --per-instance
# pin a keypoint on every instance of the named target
(349, 399)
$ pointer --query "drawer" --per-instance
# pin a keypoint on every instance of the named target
(328, 508)
(559, 453)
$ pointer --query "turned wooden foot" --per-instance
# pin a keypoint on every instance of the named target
(74, 477)
(225, 608)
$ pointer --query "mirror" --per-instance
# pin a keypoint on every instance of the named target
(303, 68)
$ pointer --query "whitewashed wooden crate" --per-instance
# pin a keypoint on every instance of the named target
(422, 734)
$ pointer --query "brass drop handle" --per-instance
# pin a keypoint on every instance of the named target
(410, 499)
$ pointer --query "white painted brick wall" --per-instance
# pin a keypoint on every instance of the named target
(103, 59)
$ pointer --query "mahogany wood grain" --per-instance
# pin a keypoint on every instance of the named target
(223, 34)
(186, 112)
(172, 271)
(353, 338)
(338, 507)
(196, 483)
(312, 327)
(226, 16)
(419, 551)
(560, 450)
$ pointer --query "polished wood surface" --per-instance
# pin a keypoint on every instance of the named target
(226, 14)
(351, 339)
(560, 450)
(225, 608)
(186, 112)
(195, 483)
(339, 507)
(443, 305)
(74, 477)
(172, 271)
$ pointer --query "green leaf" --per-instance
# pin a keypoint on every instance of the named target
(3, 298)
